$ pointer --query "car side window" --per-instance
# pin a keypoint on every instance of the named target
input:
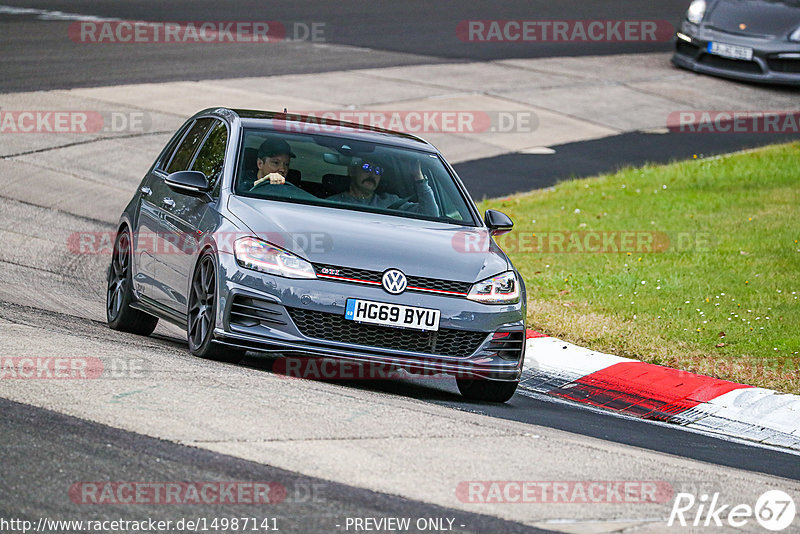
(211, 157)
(183, 155)
(169, 150)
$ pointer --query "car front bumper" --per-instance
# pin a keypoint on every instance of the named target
(773, 61)
(269, 313)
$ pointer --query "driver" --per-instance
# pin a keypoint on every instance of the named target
(365, 177)
(273, 159)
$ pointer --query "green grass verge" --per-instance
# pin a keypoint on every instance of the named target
(693, 265)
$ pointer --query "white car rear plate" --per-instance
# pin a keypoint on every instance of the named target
(730, 51)
(384, 314)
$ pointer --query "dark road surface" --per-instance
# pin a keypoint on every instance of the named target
(39, 54)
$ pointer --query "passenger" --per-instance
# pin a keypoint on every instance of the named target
(274, 157)
(365, 177)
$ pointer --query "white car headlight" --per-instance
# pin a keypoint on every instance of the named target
(500, 289)
(795, 35)
(696, 11)
(253, 253)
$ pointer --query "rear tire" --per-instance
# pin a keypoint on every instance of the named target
(203, 312)
(119, 314)
(486, 390)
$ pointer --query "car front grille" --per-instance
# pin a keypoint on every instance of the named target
(738, 65)
(247, 311)
(415, 283)
(333, 327)
(507, 345)
(788, 65)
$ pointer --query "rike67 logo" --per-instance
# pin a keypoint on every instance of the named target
(774, 510)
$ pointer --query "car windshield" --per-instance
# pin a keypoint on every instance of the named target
(348, 174)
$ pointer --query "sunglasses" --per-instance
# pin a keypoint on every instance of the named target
(368, 167)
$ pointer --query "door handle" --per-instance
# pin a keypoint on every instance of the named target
(168, 202)
(146, 191)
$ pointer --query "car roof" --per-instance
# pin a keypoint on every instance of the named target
(297, 123)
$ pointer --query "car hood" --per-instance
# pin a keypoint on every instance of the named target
(376, 242)
(767, 18)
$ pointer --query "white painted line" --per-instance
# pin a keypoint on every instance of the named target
(538, 150)
(655, 131)
(44, 14)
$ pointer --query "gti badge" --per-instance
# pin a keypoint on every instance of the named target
(394, 281)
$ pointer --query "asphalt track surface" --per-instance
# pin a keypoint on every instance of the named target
(37, 55)
(522, 172)
(358, 34)
(64, 449)
(540, 410)
(44, 452)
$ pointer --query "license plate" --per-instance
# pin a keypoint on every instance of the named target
(382, 313)
(731, 51)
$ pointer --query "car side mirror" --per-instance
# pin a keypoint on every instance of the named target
(498, 222)
(192, 183)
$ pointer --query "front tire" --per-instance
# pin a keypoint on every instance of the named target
(203, 312)
(119, 314)
(486, 390)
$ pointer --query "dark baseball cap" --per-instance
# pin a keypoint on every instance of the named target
(274, 147)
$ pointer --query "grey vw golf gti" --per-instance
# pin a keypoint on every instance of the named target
(286, 234)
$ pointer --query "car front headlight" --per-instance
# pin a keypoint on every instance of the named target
(795, 35)
(253, 253)
(500, 289)
(696, 11)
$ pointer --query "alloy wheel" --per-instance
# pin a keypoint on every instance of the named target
(118, 276)
(201, 302)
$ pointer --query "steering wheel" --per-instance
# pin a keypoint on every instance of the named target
(397, 203)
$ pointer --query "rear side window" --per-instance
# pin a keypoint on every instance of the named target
(183, 155)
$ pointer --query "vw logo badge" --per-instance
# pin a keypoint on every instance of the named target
(394, 281)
